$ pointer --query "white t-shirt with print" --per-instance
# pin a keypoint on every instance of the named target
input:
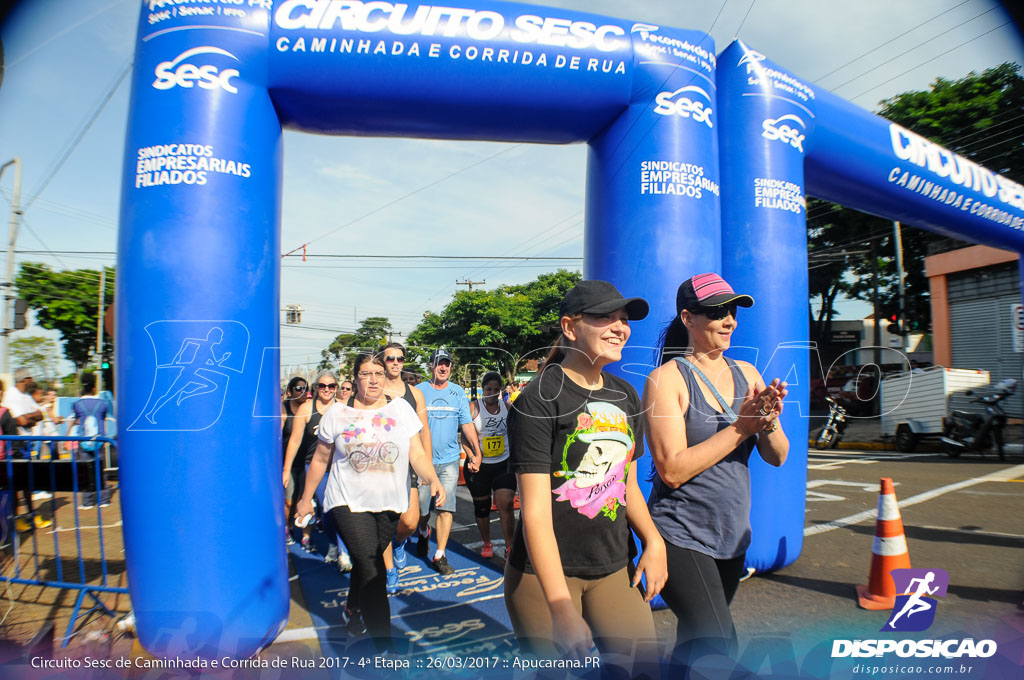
(370, 471)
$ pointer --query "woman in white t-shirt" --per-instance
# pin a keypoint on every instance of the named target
(374, 440)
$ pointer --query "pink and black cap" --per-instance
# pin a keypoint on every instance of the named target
(708, 290)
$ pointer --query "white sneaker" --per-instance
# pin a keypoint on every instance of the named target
(41, 495)
(344, 563)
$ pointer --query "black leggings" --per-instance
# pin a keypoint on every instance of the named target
(699, 591)
(366, 534)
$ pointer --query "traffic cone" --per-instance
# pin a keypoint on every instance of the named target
(889, 552)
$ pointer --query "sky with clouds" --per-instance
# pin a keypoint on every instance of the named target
(65, 88)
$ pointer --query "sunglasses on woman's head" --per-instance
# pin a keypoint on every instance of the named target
(717, 313)
(325, 386)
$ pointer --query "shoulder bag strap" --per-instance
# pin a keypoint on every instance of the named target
(729, 413)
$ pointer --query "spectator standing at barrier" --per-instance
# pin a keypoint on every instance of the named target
(90, 414)
(295, 394)
(705, 412)
(374, 440)
(301, 447)
(25, 412)
(492, 479)
(447, 413)
(575, 433)
(395, 557)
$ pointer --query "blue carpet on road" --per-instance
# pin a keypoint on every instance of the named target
(462, 615)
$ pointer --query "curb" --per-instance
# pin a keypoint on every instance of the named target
(922, 447)
(861, 446)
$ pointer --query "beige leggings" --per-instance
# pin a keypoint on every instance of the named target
(619, 619)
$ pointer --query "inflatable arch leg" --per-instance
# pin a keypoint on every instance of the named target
(764, 225)
(197, 303)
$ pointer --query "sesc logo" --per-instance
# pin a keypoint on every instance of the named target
(914, 610)
(186, 74)
(780, 129)
(677, 103)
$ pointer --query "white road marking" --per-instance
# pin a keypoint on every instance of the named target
(971, 532)
(997, 476)
(819, 496)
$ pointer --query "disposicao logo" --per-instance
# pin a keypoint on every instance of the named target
(915, 610)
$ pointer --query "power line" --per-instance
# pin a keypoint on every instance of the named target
(717, 16)
(889, 42)
(952, 49)
(405, 196)
(81, 133)
(752, 2)
(435, 257)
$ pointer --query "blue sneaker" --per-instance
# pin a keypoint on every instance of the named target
(401, 559)
(392, 575)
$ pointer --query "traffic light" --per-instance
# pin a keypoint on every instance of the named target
(894, 327)
(105, 365)
(20, 307)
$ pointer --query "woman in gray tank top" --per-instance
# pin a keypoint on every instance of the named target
(705, 412)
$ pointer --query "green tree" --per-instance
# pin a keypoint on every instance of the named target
(373, 332)
(976, 116)
(495, 329)
(38, 353)
(67, 301)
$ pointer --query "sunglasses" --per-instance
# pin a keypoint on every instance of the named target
(398, 359)
(325, 386)
(716, 313)
(343, 388)
(298, 388)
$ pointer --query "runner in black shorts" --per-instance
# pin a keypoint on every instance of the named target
(490, 416)
(394, 360)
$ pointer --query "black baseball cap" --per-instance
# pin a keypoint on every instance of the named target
(600, 297)
(708, 290)
(439, 354)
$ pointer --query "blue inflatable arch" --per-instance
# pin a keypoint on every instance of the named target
(696, 163)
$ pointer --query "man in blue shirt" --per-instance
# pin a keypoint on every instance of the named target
(447, 413)
(90, 413)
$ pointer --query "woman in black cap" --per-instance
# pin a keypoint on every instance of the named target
(704, 414)
(574, 433)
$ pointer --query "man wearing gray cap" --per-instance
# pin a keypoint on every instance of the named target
(447, 413)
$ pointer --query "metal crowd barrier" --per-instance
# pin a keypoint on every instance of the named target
(27, 475)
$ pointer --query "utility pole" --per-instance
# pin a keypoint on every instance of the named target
(12, 238)
(470, 284)
(874, 303)
(99, 332)
(904, 323)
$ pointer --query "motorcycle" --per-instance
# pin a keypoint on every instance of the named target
(832, 433)
(965, 431)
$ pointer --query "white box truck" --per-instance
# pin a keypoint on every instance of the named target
(914, 403)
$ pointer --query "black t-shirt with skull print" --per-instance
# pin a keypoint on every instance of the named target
(587, 441)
